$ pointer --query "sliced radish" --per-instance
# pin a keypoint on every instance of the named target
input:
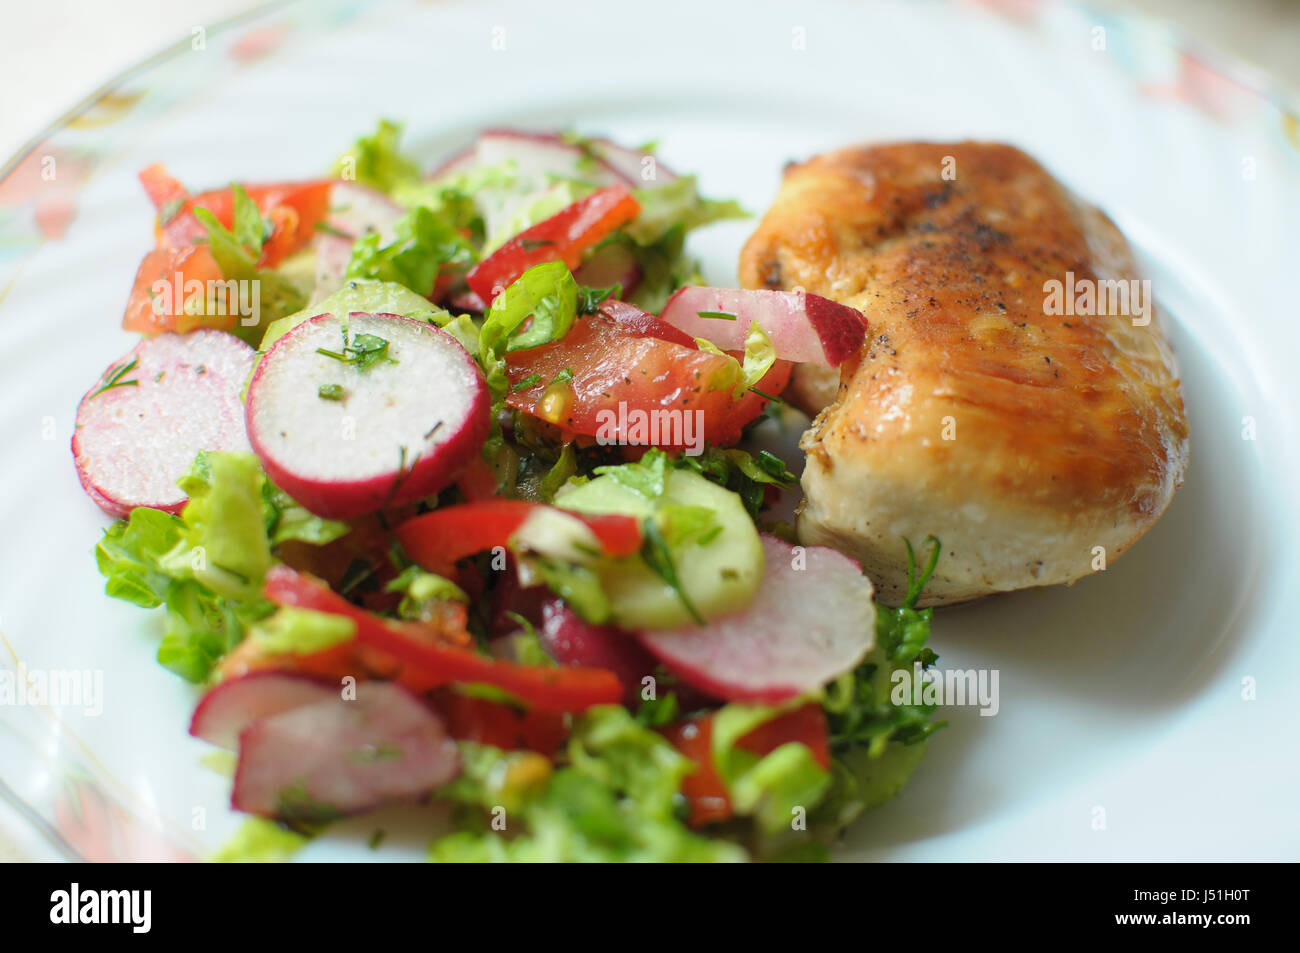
(631, 164)
(333, 252)
(401, 428)
(539, 156)
(342, 757)
(357, 210)
(571, 641)
(136, 438)
(804, 328)
(612, 264)
(232, 706)
(811, 621)
(457, 163)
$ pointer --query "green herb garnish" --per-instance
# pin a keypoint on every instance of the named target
(330, 391)
(718, 315)
(657, 556)
(365, 351)
(590, 299)
(115, 378)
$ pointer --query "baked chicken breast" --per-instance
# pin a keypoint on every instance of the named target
(1023, 433)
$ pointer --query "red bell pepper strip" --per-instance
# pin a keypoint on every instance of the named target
(492, 723)
(705, 791)
(438, 539)
(562, 237)
(430, 662)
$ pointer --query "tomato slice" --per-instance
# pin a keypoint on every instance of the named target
(430, 662)
(705, 791)
(438, 539)
(617, 371)
(162, 187)
(633, 319)
(293, 209)
(562, 237)
(184, 273)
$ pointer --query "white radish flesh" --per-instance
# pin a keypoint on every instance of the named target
(399, 430)
(226, 710)
(811, 621)
(342, 756)
(136, 438)
(804, 328)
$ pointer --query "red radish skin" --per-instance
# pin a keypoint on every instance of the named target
(357, 210)
(404, 429)
(133, 442)
(804, 328)
(226, 710)
(540, 155)
(632, 165)
(571, 641)
(456, 164)
(804, 628)
(341, 757)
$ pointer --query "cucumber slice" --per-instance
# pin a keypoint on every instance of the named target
(718, 577)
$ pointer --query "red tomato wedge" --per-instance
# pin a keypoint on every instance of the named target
(293, 210)
(184, 273)
(562, 237)
(617, 369)
(631, 318)
(438, 539)
(430, 662)
(705, 790)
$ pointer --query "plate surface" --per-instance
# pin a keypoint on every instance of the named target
(1144, 713)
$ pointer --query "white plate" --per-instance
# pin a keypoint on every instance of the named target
(1123, 731)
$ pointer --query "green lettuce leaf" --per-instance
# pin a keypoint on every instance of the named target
(277, 295)
(376, 160)
(677, 204)
(207, 565)
(293, 631)
(771, 788)
(616, 799)
(546, 293)
(425, 243)
(260, 841)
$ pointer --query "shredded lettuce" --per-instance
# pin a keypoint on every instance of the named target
(293, 631)
(770, 788)
(546, 293)
(207, 565)
(426, 242)
(376, 161)
(260, 841)
(657, 238)
(677, 204)
(533, 209)
(421, 589)
(615, 798)
(876, 744)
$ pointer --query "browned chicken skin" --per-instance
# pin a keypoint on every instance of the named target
(1023, 439)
